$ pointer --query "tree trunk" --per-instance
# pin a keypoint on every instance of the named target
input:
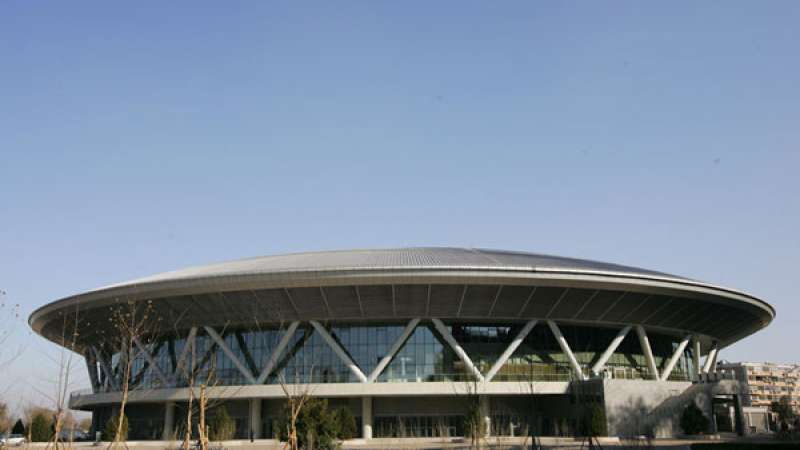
(202, 421)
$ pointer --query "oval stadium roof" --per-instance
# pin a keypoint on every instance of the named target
(400, 258)
(264, 276)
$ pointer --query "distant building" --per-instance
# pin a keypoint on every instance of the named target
(764, 383)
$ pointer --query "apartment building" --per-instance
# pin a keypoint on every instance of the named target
(764, 383)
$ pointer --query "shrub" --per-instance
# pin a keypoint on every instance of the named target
(40, 428)
(473, 422)
(345, 423)
(222, 427)
(19, 428)
(315, 425)
(693, 421)
(110, 429)
(783, 408)
(594, 421)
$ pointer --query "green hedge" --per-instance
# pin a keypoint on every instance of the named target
(747, 446)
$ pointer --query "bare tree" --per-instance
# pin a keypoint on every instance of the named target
(9, 318)
(475, 426)
(199, 372)
(133, 326)
(5, 418)
(58, 413)
(6, 328)
(66, 365)
(297, 395)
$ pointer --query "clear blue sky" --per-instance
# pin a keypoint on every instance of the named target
(142, 137)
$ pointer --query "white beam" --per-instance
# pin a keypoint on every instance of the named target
(339, 351)
(675, 358)
(185, 352)
(448, 337)
(393, 350)
(91, 365)
(151, 361)
(106, 368)
(512, 347)
(562, 342)
(648, 352)
(276, 353)
(710, 358)
(713, 368)
(232, 356)
(612, 347)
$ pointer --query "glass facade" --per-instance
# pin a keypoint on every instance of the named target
(424, 356)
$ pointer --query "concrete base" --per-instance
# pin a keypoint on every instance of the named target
(653, 408)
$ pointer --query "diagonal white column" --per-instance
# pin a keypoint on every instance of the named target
(185, 353)
(339, 351)
(227, 350)
(612, 347)
(562, 342)
(675, 357)
(711, 359)
(648, 352)
(393, 350)
(151, 361)
(273, 358)
(713, 368)
(451, 341)
(106, 368)
(510, 349)
(91, 364)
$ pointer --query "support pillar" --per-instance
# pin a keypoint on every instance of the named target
(711, 359)
(486, 414)
(366, 417)
(169, 421)
(696, 358)
(255, 418)
(648, 352)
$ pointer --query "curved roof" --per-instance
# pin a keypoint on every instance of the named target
(399, 258)
(415, 266)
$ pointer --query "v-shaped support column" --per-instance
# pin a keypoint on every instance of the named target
(448, 337)
(648, 352)
(562, 342)
(181, 362)
(232, 356)
(111, 380)
(339, 351)
(615, 343)
(151, 361)
(710, 365)
(512, 347)
(276, 353)
(675, 357)
(393, 350)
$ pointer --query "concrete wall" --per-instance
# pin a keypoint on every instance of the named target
(756, 419)
(647, 407)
